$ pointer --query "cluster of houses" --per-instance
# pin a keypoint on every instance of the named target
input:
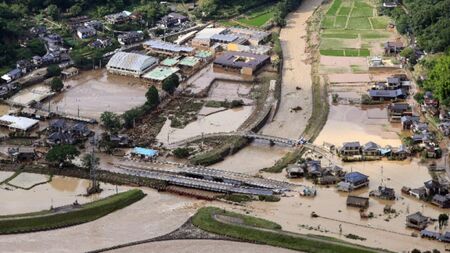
(314, 170)
(395, 87)
(60, 132)
(56, 53)
(432, 190)
(354, 151)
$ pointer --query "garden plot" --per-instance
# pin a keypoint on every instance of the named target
(26, 180)
(348, 20)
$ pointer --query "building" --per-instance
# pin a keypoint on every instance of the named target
(442, 201)
(294, 171)
(350, 149)
(130, 37)
(359, 202)
(130, 64)
(58, 138)
(371, 149)
(254, 37)
(173, 19)
(383, 192)
(393, 47)
(144, 152)
(356, 180)
(417, 221)
(160, 73)
(12, 75)
(101, 43)
(390, 3)
(86, 32)
(240, 62)
(166, 48)
(70, 72)
(397, 110)
(118, 18)
(97, 25)
(18, 123)
(189, 62)
(22, 154)
(261, 49)
(203, 38)
(384, 95)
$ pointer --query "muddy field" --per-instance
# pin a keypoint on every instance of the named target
(35, 93)
(93, 92)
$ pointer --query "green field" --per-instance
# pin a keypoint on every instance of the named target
(249, 230)
(258, 17)
(48, 219)
(351, 19)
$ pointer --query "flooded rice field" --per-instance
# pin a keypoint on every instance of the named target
(229, 91)
(201, 246)
(201, 81)
(154, 215)
(60, 191)
(96, 91)
(35, 93)
(351, 123)
(224, 121)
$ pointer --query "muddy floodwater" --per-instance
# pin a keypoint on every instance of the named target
(36, 93)
(60, 191)
(154, 215)
(4, 109)
(351, 123)
(225, 121)
(96, 91)
(201, 246)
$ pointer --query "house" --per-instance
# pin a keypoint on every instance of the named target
(130, 37)
(70, 72)
(417, 221)
(419, 193)
(120, 140)
(433, 187)
(173, 19)
(12, 75)
(22, 153)
(445, 237)
(356, 180)
(382, 95)
(118, 18)
(397, 110)
(442, 201)
(240, 62)
(383, 192)
(327, 180)
(408, 121)
(356, 201)
(445, 128)
(58, 138)
(390, 3)
(344, 186)
(80, 129)
(37, 60)
(419, 127)
(350, 149)
(57, 125)
(97, 25)
(399, 153)
(294, 171)
(86, 32)
(101, 43)
(371, 149)
(393, 47)
(376, 61)
(25, 66)
(39, 30)
(394, 82)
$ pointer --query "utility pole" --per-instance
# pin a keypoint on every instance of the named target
(95, 187)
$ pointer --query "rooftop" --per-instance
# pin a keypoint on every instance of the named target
(20, 123)
(170, 61)
(131, 61)
(160, 73)
(189, 61)
(167, 46)
(355, 177)
(207, 33)
(241, 59)
(144, 151)
(203, 54)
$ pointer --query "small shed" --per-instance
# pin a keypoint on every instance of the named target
(356, 201)
(68, 73)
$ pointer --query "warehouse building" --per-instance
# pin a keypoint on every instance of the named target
(203, 39)
(130, 64)
(241, 62)
(160, 73)
(166, 48)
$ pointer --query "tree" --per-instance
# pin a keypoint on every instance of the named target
(36, 47)
(181, 152)
(171, 83)
(152, 97)
(88, 161)
(75, 10)
(53, 70)
(111, 121)
(208, 7)
(443, 219)
(130, 116)
(56, 85)
(439, 79)
(61, 154)
(53, 11)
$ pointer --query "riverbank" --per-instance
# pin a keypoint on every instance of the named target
(67, 215)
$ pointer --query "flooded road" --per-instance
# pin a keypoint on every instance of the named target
(225, 121)
(201, 246)
(96, 91)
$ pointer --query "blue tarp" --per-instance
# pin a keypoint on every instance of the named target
(145, 152)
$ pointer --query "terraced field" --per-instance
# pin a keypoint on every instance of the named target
(352, 28)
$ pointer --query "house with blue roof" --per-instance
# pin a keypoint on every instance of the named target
(144, 152)
(356, 180)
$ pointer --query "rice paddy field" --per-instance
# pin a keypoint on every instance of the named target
(255, 18)
(352, 28)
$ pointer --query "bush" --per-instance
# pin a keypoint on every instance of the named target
(181, 152)
(53, 70)
(56, 85)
